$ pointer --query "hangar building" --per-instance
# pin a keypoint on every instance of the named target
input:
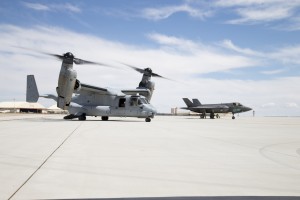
(21, 107)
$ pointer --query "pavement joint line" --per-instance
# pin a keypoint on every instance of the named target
(44, 161)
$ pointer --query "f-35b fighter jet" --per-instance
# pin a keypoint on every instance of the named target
(197, 107)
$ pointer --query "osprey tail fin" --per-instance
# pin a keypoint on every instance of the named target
(32, 94)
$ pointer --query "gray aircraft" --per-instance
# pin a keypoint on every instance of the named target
(83, 100)
(197, 107)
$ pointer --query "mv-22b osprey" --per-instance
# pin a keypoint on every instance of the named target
(83, 100)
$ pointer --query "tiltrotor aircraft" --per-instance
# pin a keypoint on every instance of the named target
(196, 106)
(83, 100)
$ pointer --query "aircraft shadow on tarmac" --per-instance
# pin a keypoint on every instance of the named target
(87, 120)
(196, 198)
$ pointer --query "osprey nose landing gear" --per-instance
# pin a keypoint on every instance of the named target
(148, 119)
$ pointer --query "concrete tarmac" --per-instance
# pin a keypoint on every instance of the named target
(46, 157)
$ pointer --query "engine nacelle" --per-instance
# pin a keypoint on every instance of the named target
(77, 86)
(66, 85)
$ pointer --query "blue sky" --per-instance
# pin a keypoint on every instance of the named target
(245, 51)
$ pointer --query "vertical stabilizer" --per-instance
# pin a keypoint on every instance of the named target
(196, 102)
(32, 94)
(188, 102)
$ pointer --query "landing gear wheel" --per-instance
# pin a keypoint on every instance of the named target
(212, 115)
(148, 119)
(203, 115)
(82, 117)
(233, 117)
(104, 118)
(71, 116)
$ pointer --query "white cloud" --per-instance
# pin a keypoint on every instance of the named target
(229, 45)
(233, 3)
(289, 54)
(196, 56)
(270, 72)
(166, 60)
(258, 15)
(52, 7)
(285, 55)
(260, 11)
(246, 11)
(292, 105)
(165, 12)
(36, 6)
(267, 105)
(71, 7)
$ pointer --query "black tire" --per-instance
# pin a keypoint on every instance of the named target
(148, 119)
(104, 118)
(71, 116)
(82, 118)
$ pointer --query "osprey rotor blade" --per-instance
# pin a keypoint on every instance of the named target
(79, 61)
(68, 56)
(142, 71)
(60, 57)
(145, 71)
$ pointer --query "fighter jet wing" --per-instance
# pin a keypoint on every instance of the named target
(213, 107)
(209, 108)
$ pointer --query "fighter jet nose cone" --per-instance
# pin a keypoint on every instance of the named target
(247, 109)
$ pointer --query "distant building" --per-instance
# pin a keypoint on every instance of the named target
(56, 110)
(174, 111)
(22, 107)
(178, 111)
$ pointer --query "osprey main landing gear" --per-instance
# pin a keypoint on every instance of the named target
(71, 116)
(104, 118)
(82, 117)
(148, 119)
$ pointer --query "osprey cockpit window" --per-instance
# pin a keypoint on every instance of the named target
(144, 101)
(133, 101)
(122, 102)
(139, 101)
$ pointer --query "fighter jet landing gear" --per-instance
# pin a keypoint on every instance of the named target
(212, 115)
(203, 115)
(233, 117)
(104, 118)
(148, 119)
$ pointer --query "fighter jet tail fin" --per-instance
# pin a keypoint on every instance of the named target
(188, 102)
(32, 94)
(196, 102)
